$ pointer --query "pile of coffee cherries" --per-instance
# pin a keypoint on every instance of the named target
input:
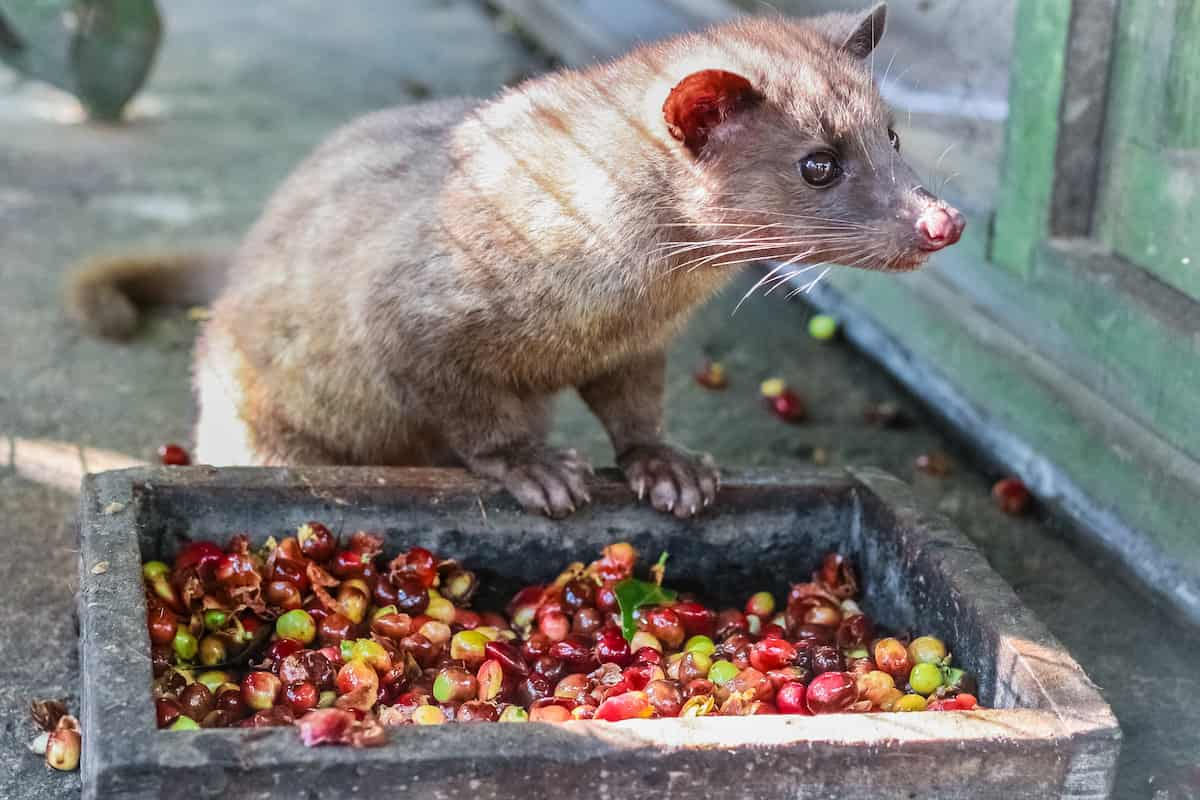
(344, 641)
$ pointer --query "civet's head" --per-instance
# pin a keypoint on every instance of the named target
(789, 146)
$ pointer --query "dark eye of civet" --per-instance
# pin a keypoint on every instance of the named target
(895, 139)
(819, 169)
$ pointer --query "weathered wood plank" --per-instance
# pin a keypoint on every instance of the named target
(1081, 117)
(1183, 81)
(1031, 140)
(1151, 196)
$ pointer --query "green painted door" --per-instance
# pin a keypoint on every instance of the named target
(1150, 200)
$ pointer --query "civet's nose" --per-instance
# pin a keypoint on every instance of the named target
(939, 227)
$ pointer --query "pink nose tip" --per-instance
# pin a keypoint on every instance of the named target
(940, 227)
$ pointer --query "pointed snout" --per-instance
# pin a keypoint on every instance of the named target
(939, 226)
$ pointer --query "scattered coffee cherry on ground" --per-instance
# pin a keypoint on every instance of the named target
(711, 375)
(173, 455)
(345, 641)
(1011, 496)
(782, 401)
(60, 742)
(823, 327)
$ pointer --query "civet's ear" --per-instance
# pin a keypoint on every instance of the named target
(702, 101)
(859, 35)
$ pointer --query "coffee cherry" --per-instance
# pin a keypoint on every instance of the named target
(822, 327)
(459, 585)
(827, 659)
(696, 619)
(317, 542)
(711, 375)
(611, 648)
(555, 625)
(354, 675)
(782, 401)
(927, 650)
(260, 690)
(646, 655)
(469, 646)
(831, 692)
(630, 705)
(1011, 496)
(549, 713)
(185, 645)
(752, 684)
(576, 653)
(665, 697)
(761, 604)
(63, 747)
(296, 624)
(196, 701)
(453, 685)
(491, 680)
(280, 649)
(772, 653)
(508, 656)
(428, 715)
(284, 594)
(307, 666)
(301, 696)
(166, 711)
(172, 455)
(721, 672)
(875, 686)
(353, 597)
(791, 698)
(371, 653)
(910, 702)
(925, 678)
(641, 640)
(162, 624)
(231, 700)
(334, 629)
(477, 711)
(514, 714)
(392, 625)
(436, 632)
(892, 657)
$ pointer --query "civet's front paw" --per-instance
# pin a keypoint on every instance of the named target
(548, 481)
(676, 481)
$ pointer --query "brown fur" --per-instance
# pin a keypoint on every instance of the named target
(104, 293)
(424, 283)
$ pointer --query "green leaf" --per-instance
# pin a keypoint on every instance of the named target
(632, 594)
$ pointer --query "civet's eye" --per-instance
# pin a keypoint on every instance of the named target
(819, 169)
(895, 139)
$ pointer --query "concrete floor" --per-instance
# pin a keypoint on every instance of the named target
(240, 93)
